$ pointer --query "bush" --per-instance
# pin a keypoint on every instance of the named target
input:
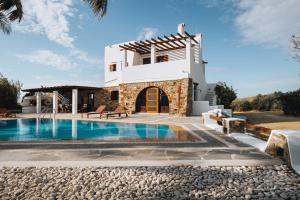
(240, 105)
(225, 95)
(291, 103)
(267, 102)
(9, 93)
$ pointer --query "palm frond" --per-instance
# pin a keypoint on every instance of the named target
(6, 5)
(4, 24)
(13, 8)
(99, 7)
(17, 13)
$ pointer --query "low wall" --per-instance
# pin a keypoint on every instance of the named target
(200, 107)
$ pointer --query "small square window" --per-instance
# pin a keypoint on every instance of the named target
(113, 67)
(146, 61)
(114, 95)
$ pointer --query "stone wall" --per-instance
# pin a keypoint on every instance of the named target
(103, 97)
(179, 93)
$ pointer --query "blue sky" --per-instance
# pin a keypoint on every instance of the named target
(246, 42)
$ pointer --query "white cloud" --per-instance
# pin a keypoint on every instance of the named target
(81, 55)
(147, 33)
(48, 17)
(48, 58)
(270, 22)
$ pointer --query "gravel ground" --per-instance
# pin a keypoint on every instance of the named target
(180, 182)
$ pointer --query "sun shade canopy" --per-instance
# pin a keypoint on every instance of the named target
(60, 88)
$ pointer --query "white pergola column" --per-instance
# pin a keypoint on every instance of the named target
(200, 48)
(38, 102)
(153, 54)
(55, 102)
(74, 101)
(188, 52)
(125, 58)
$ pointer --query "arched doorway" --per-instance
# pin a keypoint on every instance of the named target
(152, 100)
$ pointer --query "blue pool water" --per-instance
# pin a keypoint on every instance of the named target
(49, 129)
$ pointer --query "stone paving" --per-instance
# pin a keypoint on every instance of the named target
(212, 146)
(173, 182)
(216, 167)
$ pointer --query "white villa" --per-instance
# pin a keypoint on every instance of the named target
(160, 75)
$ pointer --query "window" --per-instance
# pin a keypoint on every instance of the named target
(114, 95)
(113, 67)
(163, 58)
(146, 61)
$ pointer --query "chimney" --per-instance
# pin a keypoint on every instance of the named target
(181, 28)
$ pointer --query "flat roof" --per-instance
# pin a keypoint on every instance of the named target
(60, 88)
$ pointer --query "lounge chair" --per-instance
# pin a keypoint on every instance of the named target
(118, 111)
(100, 111)
(5, 113)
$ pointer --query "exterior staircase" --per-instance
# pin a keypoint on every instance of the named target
(63, 99)
(211, 97)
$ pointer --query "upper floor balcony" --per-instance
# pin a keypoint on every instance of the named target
(163, 58)
(160, 59)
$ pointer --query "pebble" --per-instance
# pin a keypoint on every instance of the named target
(173, 182)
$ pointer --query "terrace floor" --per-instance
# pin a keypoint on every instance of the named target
(214, 149)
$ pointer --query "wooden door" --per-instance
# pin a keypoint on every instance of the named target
(152, 100)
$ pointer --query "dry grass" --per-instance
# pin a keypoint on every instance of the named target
(272, 119)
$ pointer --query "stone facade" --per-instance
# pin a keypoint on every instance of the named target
(103, 97)
(179, 92)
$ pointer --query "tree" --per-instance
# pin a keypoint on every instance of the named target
(11, 10)
(9, 92)
(225, 95)
(291, 102)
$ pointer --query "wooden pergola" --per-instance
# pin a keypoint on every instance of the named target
(172, 42)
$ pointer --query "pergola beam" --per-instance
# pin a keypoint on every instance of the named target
(162, 44)
(173, 36)
(191, 36)
(135, 47)
(140, 47)
(169, 42)
(150, 42)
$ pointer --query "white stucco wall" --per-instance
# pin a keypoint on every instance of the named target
(157, 72)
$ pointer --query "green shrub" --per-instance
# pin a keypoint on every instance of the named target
(225, 95)
(267, 102)
(291, 103)
(9, 93)
(241, 105)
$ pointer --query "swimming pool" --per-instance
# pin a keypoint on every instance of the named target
(59, 129)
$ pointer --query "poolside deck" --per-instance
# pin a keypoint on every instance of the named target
(214, 149)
